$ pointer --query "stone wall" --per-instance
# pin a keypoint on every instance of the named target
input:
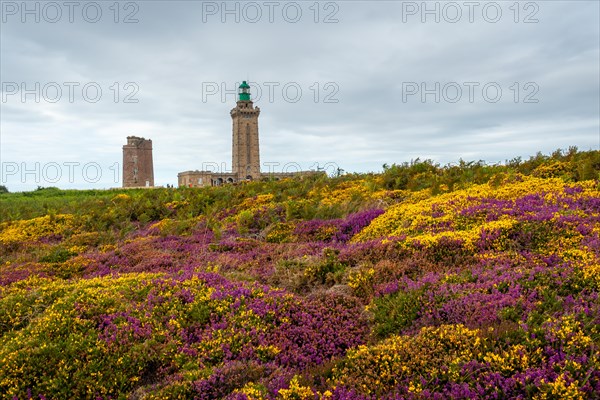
(204, 178)
(138, 168)
(245, 143)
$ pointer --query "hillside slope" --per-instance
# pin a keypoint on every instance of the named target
(423, 282)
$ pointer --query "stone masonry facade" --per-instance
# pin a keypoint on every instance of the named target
(138, 168)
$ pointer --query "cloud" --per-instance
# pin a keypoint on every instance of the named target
(353, 76)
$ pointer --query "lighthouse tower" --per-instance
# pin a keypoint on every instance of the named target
(245, 148)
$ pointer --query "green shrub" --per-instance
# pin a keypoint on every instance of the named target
(328, 271)
(394, 312)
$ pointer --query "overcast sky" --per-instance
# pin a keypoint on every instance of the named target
(350, 83)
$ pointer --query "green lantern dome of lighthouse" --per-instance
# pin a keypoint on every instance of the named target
(244, 91)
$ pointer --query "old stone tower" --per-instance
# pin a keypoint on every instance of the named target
(138, 169)
(245, 149)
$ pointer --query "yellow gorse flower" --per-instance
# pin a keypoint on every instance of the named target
(427, 219)
(33, 229)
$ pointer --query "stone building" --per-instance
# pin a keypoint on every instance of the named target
(245, 154)
(244, 150)
(138, 169)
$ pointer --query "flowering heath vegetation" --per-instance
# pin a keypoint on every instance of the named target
(422, 282)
